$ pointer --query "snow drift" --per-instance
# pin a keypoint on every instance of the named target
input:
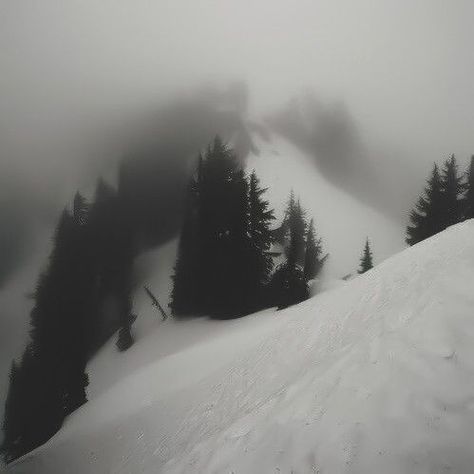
(374, 376)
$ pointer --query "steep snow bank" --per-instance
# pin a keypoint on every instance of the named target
(376, 376)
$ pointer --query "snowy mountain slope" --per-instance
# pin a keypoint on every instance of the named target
(374, 376)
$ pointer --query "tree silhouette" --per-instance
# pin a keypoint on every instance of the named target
(185, 293)
(296, 229)
(452, 187)
(260, 236)
(313, 261)
(366, 258)
(222, 263)
(469, 196)
(426, 219)
(288, 284)
(440, 206)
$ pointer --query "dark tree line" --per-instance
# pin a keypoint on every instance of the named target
(81, 298)
(224, 264)
(448, 198)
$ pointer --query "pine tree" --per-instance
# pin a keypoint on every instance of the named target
(297, 230)
(426, 219)
(185, 295)
(288, 284)
(468, 203)
(313, 262)
(441, 205)
(260, 235)
(366, 258)
(222, 263)
(452, 187)
(239, 285)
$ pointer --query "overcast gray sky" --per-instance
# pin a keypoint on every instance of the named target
(404, 68)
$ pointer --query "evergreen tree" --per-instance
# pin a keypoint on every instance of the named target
(260, 235)
(452, 187)
(441, 205)
(366, 258)
(241, 258)
(313, 261)
(222, 263)
(221, 227)
(426, 219)
(297, 230)
(288, 285)
(469, 196)
(185, 295)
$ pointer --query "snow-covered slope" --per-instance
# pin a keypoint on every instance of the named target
(376, 376)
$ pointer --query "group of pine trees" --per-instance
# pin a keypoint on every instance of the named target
(448, 199)
(224, 264)
(81, 298)
(304, 259)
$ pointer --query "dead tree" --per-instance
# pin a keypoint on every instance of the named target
(155, 303)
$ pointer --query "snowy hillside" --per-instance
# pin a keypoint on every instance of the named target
(376, 376)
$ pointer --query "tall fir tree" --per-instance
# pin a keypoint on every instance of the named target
(452, 187)
(314, 260)
(297, 229)
(468, 202)
(261, 238)
(222, 263)
(366, 258)
(288, 284)
(185, 291)
(426, 219)
(441, 205)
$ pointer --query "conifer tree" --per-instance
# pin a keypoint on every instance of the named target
(366, 258)
(452, 187)
(260, 235)
(468, 203)
(314, 260)
(297, 230)
(288, 285)
(222, 263)
(426, 219)
(185, 294)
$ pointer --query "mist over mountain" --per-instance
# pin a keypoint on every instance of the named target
(158, 150)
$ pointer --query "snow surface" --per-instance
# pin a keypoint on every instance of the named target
(374, 376)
